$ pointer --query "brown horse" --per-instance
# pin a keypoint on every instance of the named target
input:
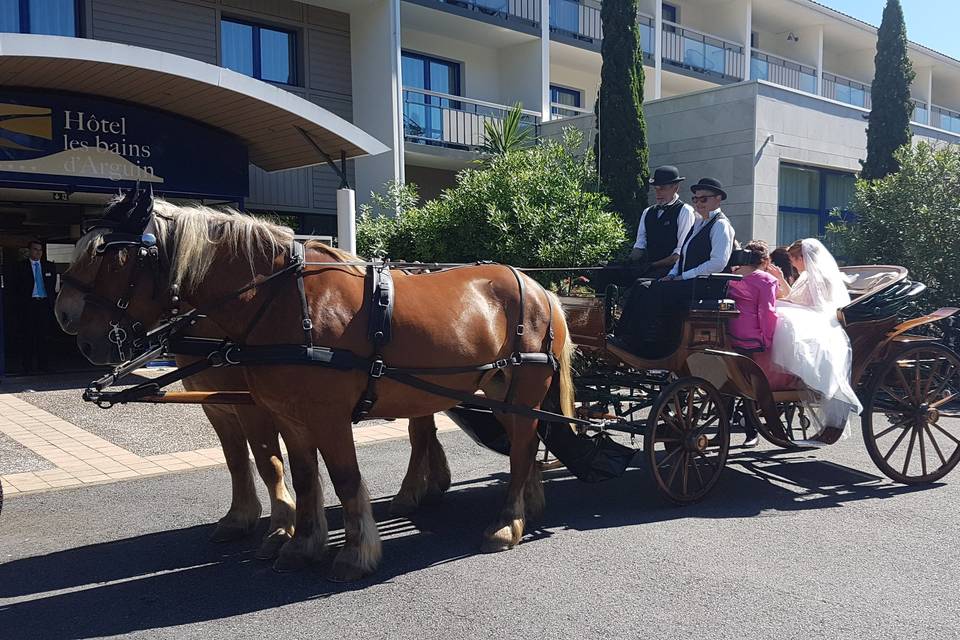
(446, 319)
(241, 426)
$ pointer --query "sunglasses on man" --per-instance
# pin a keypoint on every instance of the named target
(705, 198)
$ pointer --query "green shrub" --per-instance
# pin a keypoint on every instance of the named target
(910, 218)
(535, 207)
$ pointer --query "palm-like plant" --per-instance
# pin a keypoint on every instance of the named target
(501, 137)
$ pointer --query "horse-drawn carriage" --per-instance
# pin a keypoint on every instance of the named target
(681, 404)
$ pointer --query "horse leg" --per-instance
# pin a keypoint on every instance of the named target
(245, 507)
(428, 475)
(507, 530)
(310, 531)
(362, 550)
(262, 436)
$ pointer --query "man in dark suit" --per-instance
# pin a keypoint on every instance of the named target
(37, 282)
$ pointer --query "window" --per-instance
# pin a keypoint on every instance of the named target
(44, 17)
(670, 13)
(564, 96)
(807, 196)
(258, 51)
(423, 77)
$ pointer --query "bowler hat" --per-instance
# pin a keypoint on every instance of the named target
(710, 184)
(667, 174)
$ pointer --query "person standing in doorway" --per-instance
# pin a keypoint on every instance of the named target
(37, 280)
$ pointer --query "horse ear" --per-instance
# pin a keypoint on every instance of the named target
(143, 209)
(120, 210)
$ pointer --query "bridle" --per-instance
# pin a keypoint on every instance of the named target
(124, 327)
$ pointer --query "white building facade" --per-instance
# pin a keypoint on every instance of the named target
(769, 96)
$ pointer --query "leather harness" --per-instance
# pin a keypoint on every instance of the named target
(379, 290)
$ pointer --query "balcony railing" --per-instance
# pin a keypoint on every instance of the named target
(445, 120)
(646, 25)
(526, 10)
(782, 71)
(560, 111)
(846, 90)
(920, 113)
(580, 20)
(943, 118)
(702, 52)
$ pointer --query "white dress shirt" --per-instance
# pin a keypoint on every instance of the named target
(685, 220)
(721, 246)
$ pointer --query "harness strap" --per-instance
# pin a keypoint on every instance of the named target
(297, 255)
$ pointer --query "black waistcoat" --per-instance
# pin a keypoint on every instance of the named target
(698, 246)
(662, 232)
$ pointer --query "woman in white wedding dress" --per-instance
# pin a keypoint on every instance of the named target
(809, 341)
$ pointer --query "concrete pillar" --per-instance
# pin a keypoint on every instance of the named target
(747, 39)
(544, 60)
(347, 220)
(658, 51)
(377, 91)
(820, 61)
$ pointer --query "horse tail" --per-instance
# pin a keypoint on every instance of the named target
(564, 361)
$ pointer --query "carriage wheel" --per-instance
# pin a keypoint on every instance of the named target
(793, 416)
(687, 439)
(911, 417)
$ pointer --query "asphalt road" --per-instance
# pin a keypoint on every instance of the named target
(800, 545)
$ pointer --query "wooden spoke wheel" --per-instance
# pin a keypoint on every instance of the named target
(793, 417)
(911, 417)
(687, 439)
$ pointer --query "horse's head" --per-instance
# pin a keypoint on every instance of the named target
(113, 290)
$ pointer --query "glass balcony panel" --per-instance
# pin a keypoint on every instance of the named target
(759, 69)
(716, 58)
(646, 38)
(808, 82)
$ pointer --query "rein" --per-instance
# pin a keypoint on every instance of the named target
(216, 352)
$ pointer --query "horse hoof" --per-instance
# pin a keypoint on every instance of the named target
(403, 505)
(287, 562)
(433, 496)
(503, 539)
(231, 532)
(347, 567)
(270, 547)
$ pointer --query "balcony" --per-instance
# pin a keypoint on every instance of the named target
(525, 12)
(846, 90)
(920, 113)
(943, 118)
(580, 20)
(454, 122)
(701, 52)
(782, 71)
(559, 111)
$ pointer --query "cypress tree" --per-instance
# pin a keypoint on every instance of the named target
(621, 143)
(889, 127)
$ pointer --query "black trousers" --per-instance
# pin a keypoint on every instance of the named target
(624, 274)
(652, 318)
(36, 333)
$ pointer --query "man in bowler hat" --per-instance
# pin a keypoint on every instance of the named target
(651, 319)
(663, 226)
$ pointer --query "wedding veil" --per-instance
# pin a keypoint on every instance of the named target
(826, 284)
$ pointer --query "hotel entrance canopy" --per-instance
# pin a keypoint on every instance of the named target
(279, 129)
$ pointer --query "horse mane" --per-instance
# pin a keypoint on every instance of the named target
(191, 235)
(337, 255)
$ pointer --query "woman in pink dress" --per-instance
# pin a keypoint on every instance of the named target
(751, 333)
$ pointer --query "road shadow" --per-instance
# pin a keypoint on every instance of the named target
(178, 577)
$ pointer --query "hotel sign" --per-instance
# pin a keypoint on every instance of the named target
(74, 142)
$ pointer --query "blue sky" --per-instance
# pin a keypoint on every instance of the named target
(931, 23)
